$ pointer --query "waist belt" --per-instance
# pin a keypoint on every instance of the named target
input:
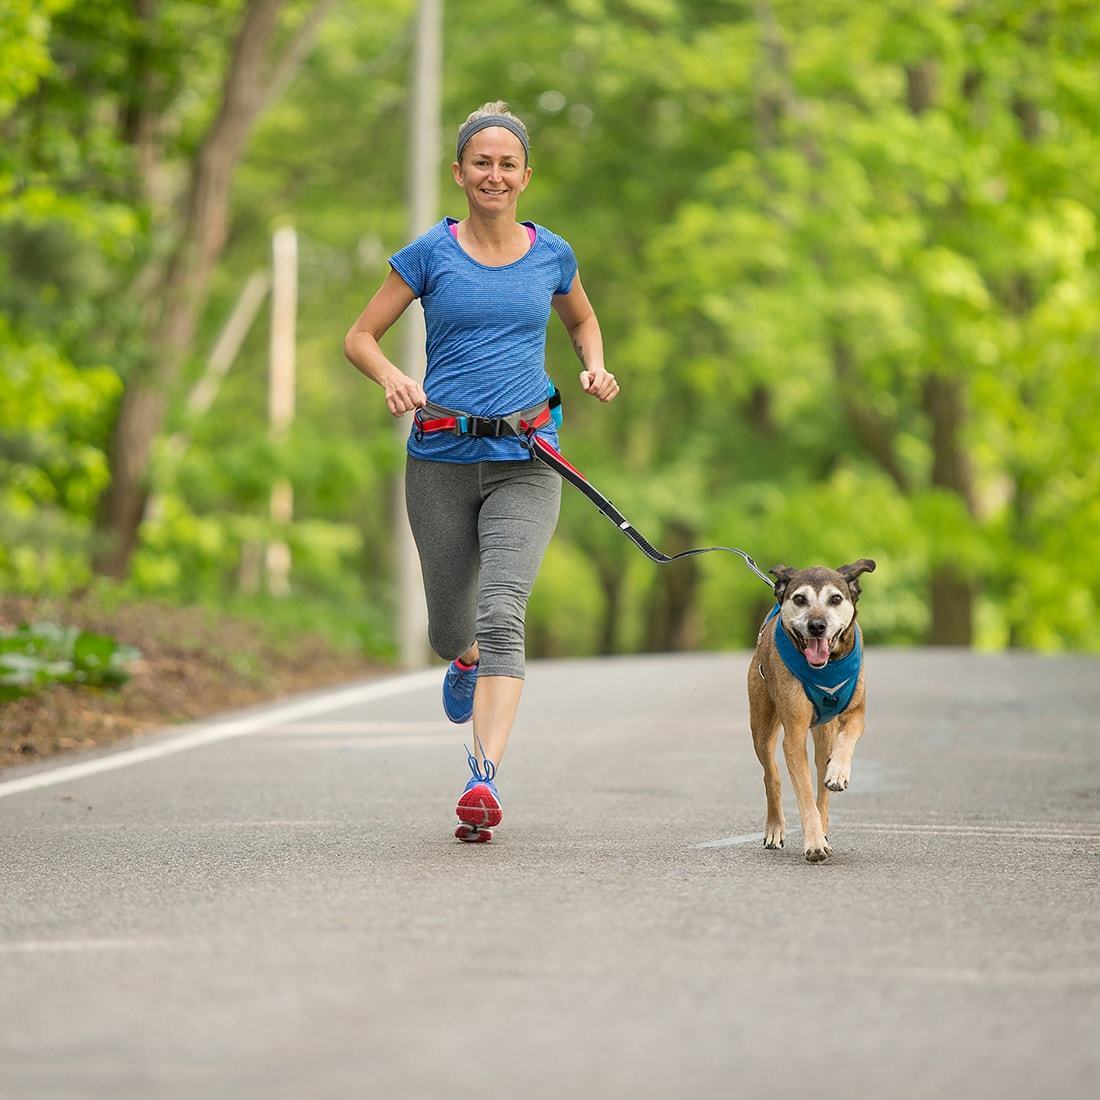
(435, 418)
(523, 426)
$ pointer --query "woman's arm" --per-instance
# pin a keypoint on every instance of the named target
(579, 318)
(403, 394)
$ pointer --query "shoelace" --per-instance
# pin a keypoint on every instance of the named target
(485, 776)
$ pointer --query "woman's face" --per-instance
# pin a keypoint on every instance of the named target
(492, 171)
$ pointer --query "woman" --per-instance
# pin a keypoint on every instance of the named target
(482, 512)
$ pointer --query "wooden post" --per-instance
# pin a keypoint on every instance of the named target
(423, 194)
(205, 391)
(284, 306)
(224, 352)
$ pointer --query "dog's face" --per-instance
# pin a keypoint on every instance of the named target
(818, 605)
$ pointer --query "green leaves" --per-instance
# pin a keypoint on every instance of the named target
(38, 655)
(788, 216)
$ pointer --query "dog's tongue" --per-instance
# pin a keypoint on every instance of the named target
(817, 652)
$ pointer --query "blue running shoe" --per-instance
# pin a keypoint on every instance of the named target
(458, 692)
(478, 806)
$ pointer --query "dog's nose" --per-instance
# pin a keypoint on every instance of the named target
(816, 628)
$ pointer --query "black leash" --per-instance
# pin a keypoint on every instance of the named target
(524, 426)
(557, 462)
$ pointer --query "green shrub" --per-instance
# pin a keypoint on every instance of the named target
(38, 655)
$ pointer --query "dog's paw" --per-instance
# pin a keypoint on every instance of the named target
(818, 853)
(773, 835)
(836, 777)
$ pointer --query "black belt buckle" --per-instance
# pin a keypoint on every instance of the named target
(483, 427)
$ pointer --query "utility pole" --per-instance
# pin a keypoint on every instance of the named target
(423, 198)
(284, 309)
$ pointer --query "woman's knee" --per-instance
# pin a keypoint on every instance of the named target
(448, 643)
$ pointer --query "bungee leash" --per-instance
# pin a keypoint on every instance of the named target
(523, 426)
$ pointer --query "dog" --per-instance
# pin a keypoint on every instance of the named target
(814, 630)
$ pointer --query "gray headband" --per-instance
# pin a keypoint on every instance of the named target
(484, 123)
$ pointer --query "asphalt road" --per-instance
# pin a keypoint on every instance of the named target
(280, 910)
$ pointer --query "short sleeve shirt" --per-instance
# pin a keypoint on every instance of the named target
(486, 334)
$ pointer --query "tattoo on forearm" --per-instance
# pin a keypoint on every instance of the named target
(580, 351)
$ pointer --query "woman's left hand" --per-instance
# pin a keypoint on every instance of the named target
(599, 384)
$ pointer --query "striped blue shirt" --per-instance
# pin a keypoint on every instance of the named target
(486, 329)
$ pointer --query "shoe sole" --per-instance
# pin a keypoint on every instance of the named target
(471, 834)
(478, 807)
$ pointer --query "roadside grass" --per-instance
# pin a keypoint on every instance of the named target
(184, 663)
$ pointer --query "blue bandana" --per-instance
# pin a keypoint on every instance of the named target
(831, 688)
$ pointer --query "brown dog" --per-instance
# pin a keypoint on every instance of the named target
(807, 672)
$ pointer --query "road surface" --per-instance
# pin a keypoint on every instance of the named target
(273, 906)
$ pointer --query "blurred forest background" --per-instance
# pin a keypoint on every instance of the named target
(844, 255)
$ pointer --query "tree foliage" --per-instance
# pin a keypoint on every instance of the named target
(844, 257)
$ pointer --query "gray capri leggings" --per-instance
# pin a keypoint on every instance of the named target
(481, 530)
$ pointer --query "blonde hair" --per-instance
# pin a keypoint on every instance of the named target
(497, 108)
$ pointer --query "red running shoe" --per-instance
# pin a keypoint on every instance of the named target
(479, 804)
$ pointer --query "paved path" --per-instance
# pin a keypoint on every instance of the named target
(283, 913)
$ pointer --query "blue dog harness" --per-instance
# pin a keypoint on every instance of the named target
(831, 688)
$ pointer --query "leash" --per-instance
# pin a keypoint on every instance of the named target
(523, 426)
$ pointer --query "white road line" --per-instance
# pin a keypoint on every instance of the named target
(36, 947)
(223, 731)
(402, 740)
(730, 841)
(353, 728)
(1070, 830)
(1016, 830)
(175, 827)
(990, 979)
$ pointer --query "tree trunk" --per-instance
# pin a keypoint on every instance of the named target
(182, 291)
(671, 622)
(952, 596)
(611, 580)
(872, 430)
(952, 593)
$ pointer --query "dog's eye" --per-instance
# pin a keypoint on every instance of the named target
(799, 600)
(836, 599)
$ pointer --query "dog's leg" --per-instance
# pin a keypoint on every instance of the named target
(798, 768)
(765, 732)
(839, 772)
(824, 739)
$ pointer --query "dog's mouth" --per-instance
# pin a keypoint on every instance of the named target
(818, 650)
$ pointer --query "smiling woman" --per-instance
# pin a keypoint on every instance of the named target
(481, 511)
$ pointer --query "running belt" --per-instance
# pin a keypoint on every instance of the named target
(522, 426)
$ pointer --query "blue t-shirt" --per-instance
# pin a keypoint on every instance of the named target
(486, 329)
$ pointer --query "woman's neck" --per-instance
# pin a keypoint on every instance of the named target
(494, 241)
(494, 232)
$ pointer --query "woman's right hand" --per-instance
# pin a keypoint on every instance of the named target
(404, 394)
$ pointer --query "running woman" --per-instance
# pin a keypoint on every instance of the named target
(481, 510)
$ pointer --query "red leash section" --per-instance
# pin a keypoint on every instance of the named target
(523, 426)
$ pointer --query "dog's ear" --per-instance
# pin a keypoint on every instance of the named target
(851, 573)
(782, 574)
